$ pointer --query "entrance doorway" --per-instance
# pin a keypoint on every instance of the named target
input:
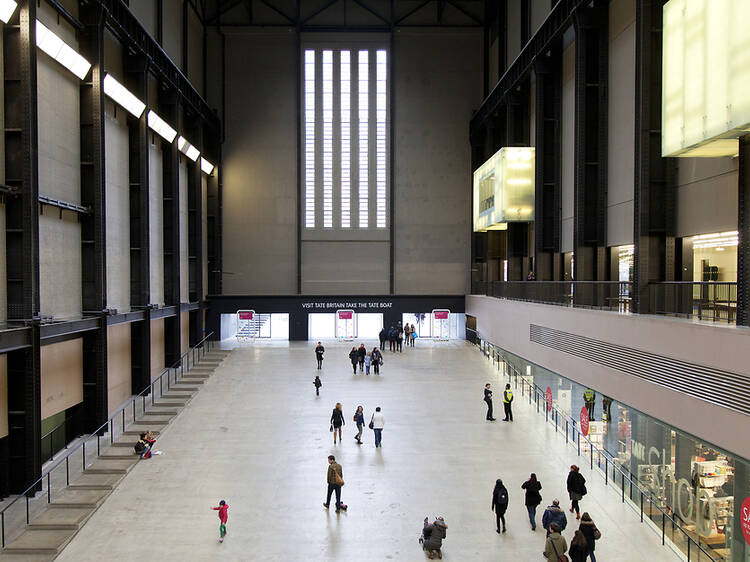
(263, 326)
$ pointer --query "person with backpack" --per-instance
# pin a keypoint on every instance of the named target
(553, 514)
(591, 533)
(500, 503)
(317, 384)
(533, 498)
(576, 489)
(555, 547)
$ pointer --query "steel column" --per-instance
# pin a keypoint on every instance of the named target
(93, 226)
(743, 226)
(591, 145)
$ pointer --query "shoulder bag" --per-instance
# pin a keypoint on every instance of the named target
(372, 423)
(597, 534)
(560, 557)
(338, 478)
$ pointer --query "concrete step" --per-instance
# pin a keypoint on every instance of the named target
(197, 375)
(89, 499)
(188, 380)
(91, 481)
(181, 395)
(40, 542)
(155, 421)
(70, 518)
(113, 465)
(184, 387)
(10, 557)
(168, 403)
(120, 455)
(138, 428)
(160, 412)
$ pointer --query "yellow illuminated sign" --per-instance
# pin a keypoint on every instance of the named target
(705, 77)
(504, 189)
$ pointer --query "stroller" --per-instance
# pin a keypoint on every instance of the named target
(432, 536)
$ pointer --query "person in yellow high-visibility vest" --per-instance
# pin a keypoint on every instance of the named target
(507, 400)
(589, 397)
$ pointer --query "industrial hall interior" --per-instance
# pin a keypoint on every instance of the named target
(371, 280)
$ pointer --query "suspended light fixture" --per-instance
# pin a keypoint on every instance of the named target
(63, 53)
(7, 7)
(158, 125)
(188, 149)
(206, 166)
(123, 96)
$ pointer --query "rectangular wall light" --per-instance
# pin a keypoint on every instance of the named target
(158, 125)
(206, 166)
(187, 149)
(63, 53)
(7, 7)
(122, 96)
(705, 77)
(504, 189)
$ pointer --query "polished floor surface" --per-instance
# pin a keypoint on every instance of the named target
(257, 436)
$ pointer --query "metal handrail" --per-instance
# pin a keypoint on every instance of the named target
(98, 431)
(51, 432)
(624, 475)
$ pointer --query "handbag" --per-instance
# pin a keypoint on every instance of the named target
(597, 534)
(338, 478)
(560, 557)
(372, 423)
(330, 428)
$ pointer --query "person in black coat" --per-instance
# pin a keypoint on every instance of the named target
(591, 533)
(576, 489)
(488, 400)
(337, 420)
(382, 337)
(354, 358)
(319, 351)
(500, 503)
(533, 498)
(361, 352)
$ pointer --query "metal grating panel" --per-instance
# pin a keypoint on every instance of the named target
(723, 388)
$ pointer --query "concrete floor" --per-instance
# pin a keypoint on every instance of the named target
(257, 436)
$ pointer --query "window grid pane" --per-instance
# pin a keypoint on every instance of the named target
(310, 139)
(380, 156)
(364, 123)
(327, 139)
(346, 94)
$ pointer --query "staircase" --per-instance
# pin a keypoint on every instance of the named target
(48, 533)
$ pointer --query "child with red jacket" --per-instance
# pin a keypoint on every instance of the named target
(223, 510)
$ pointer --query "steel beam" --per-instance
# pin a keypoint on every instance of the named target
(591, 145)
(743, 226)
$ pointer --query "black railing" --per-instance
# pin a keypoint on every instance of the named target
(76, 460)
(50, 436)
(630, 489)
(711, 300)
(609, 295)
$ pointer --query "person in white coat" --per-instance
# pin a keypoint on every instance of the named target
(378, 421)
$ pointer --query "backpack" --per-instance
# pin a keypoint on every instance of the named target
(140, 447)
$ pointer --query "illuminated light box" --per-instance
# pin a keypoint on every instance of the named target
(504, 189)
(705, 77)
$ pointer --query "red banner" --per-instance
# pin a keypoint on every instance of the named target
(246, 315)
(745, 519)
(441, 315)
(584, 421)
(345, 314)
(548, 397)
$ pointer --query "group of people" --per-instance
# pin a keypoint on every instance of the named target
(554, 519)
(395, 336)
(365, 359)
(145, 444)
(507, 402)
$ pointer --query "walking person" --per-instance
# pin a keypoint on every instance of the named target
(579, 549)
(223, 509)
(392, 337)
(382, 337)
(337, 420)
(400, 338)
(591, 533)
(317, 384)
(553, 514)
(319, 351)
(361, 352)
(354, 358)
(413, 335)
(359, 419)
(377, 422)
(533, 498)
(407, 334)
(335, 479)
(507, 401)
(556, 545)
(368, 362)
(576, 489)
(488, 400)
(500, 503)
(376, 360)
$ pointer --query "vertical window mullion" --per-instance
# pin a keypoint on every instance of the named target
(364, 134)
(309, 139)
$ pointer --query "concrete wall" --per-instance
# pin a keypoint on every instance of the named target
(119, 387)
(156, 223)
(260, 165)
(117, 201)
(506, 323)
(172, 33)
(437, 79)
(3, 395)
(513, 41)
(706, 195)
(157, 347)
(568, 148)
(539, 11)
(621, 125)
(145, 11)
(60, 178)
(62, 376)
(195, 51)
